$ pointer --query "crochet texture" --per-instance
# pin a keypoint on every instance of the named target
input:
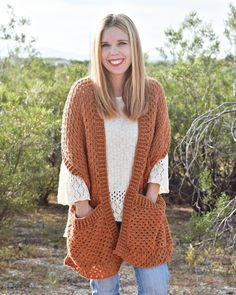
(95, 249)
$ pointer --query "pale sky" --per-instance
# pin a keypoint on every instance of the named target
(63, 28)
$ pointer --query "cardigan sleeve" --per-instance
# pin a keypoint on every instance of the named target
(159, 174)
(73, 137)
(71, 188)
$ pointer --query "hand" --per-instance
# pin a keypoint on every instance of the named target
(82, 209)
(152, 197)
(153, 192)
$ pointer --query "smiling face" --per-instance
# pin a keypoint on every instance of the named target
(116, 51)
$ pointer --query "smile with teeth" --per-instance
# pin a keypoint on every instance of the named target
(116, 62)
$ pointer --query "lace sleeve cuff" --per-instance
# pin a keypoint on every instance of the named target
(71, 188)
(159, 174)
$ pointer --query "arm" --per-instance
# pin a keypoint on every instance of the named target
(158, 181)
(72, 190)
(83, 209)
(73, 150)
(153, 190)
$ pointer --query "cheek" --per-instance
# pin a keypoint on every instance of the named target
(104, 54)
(103, 57)
(128, 53)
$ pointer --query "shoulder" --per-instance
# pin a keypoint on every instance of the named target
(82, 86)
(154, 86)
(78, 93)
(156, 91)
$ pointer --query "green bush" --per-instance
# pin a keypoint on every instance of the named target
(209, 225)
(31, 108)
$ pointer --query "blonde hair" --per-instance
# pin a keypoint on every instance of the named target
(135, 88)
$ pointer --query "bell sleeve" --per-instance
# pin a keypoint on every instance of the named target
(71, 188)
(159, 174)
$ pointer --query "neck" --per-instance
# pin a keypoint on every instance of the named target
(117, 82)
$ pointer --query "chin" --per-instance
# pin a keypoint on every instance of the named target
(118, 72)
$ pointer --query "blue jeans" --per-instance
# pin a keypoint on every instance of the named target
(150, 281)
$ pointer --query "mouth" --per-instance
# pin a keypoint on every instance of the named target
(116, 62)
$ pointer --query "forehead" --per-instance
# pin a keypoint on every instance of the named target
(113, 33)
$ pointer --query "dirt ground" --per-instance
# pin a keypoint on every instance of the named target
(33, 249)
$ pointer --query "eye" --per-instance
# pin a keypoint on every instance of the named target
(122, 43)
(104, 45)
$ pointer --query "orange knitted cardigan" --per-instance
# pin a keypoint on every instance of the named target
(95, 249)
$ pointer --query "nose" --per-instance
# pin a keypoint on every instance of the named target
(113, 50)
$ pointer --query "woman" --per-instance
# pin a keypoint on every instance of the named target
(115, 143)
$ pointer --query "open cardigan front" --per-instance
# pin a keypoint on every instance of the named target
(95, 247)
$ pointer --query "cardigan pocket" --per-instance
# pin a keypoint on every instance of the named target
(164, 238)
(145, 222)
(86, 237)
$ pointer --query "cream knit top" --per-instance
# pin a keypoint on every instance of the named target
(121, 140)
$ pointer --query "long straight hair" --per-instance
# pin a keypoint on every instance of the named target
(135, 90)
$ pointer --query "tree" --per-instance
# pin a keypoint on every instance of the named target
(32, 95)
(195, 81)
(230, 33)
(13, 35)
(207, 152)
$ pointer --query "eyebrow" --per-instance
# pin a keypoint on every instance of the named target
(117, 40)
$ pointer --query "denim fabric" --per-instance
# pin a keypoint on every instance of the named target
(150, 281)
